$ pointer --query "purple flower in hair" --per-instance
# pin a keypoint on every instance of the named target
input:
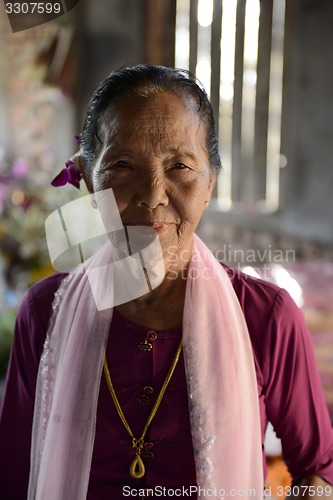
(71, 174)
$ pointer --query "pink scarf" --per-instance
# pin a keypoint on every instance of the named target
(222, 387)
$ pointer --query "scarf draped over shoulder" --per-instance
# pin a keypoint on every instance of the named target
(220, 372)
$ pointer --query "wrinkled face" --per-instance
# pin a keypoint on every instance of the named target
(154, 158)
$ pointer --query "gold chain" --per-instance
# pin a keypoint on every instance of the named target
(137, 468)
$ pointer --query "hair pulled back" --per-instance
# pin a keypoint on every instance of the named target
(145, 80)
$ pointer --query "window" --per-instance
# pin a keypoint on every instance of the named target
(235, 48)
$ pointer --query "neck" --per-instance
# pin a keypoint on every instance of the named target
(162, 308)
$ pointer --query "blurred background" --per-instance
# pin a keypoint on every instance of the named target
(267, 67)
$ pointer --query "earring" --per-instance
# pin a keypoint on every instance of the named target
(206, 205)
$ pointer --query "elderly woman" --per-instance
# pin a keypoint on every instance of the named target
(168, 393)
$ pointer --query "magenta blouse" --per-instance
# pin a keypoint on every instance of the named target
(289, 392)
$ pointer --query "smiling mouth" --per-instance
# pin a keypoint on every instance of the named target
(159, 226)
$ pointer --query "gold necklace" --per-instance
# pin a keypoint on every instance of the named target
(137, 468)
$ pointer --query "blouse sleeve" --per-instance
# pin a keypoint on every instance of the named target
(294, 398)
(17, 408)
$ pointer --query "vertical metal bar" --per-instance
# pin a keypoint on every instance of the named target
(238, 104)
(289, 176)
(171, 33)
(216, 59)
(153, 32)
(160, 32)
(193, 35)
(262, 99)
(5, 125)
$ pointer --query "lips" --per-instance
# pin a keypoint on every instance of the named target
(159, 226)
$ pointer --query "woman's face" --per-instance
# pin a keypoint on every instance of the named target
(154, 158)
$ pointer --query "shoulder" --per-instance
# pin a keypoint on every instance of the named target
(36, 305)
(274, 320)
(44, 290)
(40, 295)
(31, 326)
(260, 300)
(247, 287)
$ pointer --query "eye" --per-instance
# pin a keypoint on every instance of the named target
(181, 166)
(122, 164)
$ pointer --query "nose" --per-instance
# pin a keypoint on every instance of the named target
(151, 193)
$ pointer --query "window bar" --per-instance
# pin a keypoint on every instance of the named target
(238, 103)
(193, 35)
(216, 60)
(261, 118)
(4, 116)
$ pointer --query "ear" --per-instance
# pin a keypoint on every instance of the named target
(86, 177)
(88, 184)
(212, 183)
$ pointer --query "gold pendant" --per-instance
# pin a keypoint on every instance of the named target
(137, 468)
(145, 346)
